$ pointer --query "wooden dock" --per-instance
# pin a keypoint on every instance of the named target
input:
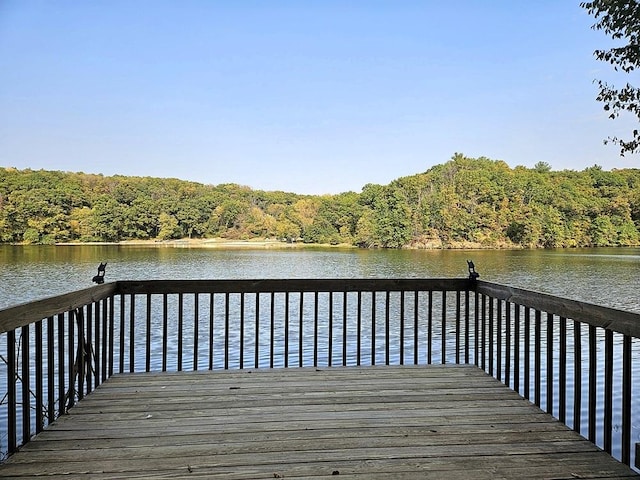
(452, 422)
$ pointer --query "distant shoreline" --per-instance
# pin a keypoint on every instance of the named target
(266, 244)
(211, 243)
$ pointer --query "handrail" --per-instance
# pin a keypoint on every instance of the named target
(58, 349)
(293, 285)
(620, 321)
(24, 314)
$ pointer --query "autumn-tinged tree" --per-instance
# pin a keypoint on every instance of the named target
(463, 202)
(620, 19)
(168, 227)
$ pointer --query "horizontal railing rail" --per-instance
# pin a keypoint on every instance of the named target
(21, 315)
(620, 321)
(296, 285)
(573, 359)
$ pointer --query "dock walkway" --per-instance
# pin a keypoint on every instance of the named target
(399, 422)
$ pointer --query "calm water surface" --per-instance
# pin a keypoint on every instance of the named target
(607, 276)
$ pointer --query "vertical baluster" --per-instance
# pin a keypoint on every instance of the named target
(256, 353)
(443, 346)
(476, 328)
(97, 354)
(516, 348)
(80, 353)
(608, 390)
(466, 327)
(577, 376)
(549, 363)
(430, 327)
(344, 329)
(286, 329)
(415, 327)
(147, 365)
(272, 328)
(330, 333)
(373, 328)
(483, 323)
(507, 345)
(132, 334)
(196, 329)
(562, 386)
(537, 356)
(359, 328)
(61, 367)
(26, 380)
(499, 339)
(51, 380)
(527, 353)
(165, 330)
(242, 321)
(626, 399)
(71, 360)
(86, 352)
(491, 338)
(121, 332)
(315, 329)
(593, 382)
(457, 336)
(301, 331)
(212, 311)
(112, 326)
(402, 327)
(180, 330)
(387, 328)
(104, 318)
(226, 330)
(12, 420)
(39, 377)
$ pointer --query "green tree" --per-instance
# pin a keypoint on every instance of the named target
(107, 219)
(542, 167)
(366, 231)
(603, 232)
(287, 230)
(140, 219)
(619, 19)
(80, 224)
(392, 216)
(169, 227)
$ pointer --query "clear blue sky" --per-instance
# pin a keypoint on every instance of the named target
(313, 96)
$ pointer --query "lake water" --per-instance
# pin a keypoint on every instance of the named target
(608, 276)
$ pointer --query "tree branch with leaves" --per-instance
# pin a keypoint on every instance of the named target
(619, 19)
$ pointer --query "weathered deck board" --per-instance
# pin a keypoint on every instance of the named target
(375, 422)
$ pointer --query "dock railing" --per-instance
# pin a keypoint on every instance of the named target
(573, 359)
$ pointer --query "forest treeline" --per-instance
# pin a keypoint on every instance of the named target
(464, 202)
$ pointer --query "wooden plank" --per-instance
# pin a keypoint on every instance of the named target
(258, 432)
(381, 422)
(214, 402)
